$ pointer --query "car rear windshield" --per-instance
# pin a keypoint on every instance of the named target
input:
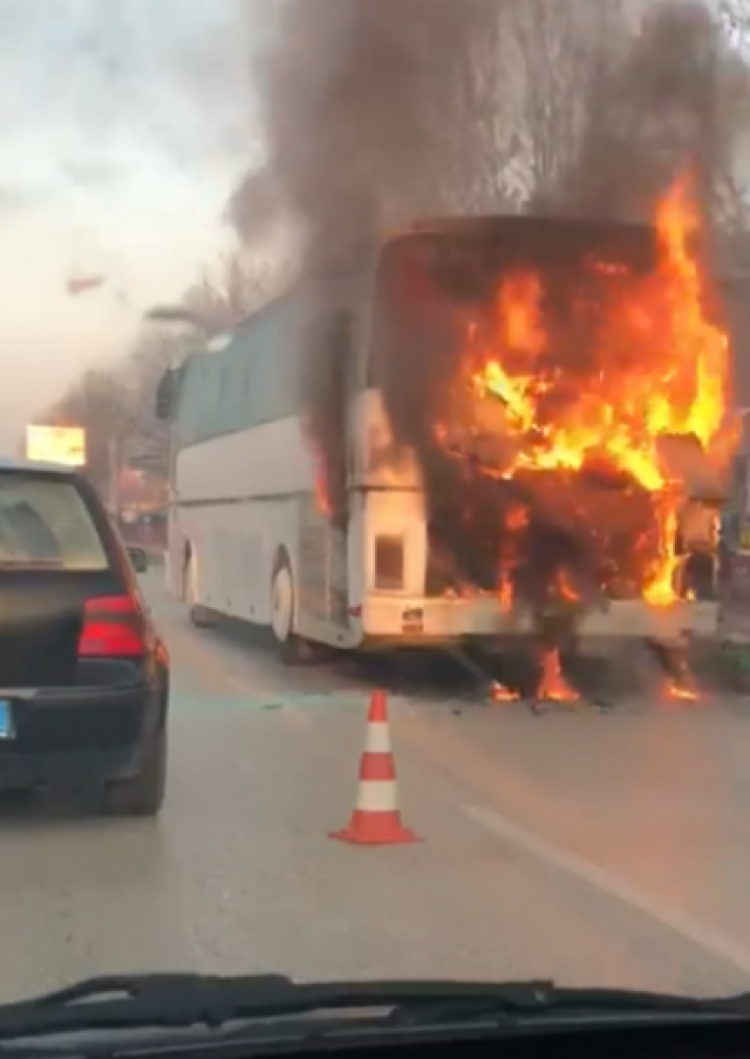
(45, 523)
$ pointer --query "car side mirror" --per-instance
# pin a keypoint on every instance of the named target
(139, 559)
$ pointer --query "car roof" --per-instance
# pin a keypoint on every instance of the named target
(10, 463)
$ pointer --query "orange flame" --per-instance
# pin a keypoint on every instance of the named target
(662, 368)
(322, 498)
(564, 588)
(502, 694)
(680, 692)
(554, 687)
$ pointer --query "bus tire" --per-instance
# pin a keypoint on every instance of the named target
(291, 648)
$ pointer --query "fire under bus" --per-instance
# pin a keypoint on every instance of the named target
(513, 428)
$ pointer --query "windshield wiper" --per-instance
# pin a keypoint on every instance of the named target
(181, 1001)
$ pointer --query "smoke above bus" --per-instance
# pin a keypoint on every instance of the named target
(560, 384)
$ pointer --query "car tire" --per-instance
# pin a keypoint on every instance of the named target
(142, 794)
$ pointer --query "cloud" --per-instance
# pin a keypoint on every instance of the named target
(172, 70)
(125, 124)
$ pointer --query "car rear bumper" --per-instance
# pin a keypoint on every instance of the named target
(78, 739)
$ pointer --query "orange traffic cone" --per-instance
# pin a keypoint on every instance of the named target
(376, 820)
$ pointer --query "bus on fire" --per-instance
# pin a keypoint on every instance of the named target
(443, 439)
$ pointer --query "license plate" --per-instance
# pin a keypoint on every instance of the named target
(6, 720)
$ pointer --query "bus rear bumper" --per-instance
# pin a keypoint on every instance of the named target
(418, 621)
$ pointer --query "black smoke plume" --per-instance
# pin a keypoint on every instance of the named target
(380, 110)
(372, 116)
(663, 107)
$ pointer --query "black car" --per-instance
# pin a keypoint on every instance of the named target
(84, 676)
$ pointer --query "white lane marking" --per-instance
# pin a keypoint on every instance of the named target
(705, 937)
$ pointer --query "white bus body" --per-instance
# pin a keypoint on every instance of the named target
(245, 516)
(245, 500)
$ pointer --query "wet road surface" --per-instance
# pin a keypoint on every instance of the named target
(590, 848)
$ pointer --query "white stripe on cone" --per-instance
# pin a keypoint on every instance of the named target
(377, 796)
(378, 738)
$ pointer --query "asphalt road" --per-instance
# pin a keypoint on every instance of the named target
(593, 849)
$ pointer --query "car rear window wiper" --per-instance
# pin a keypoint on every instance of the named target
(181, 1001)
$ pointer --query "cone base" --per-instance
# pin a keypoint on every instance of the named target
(375, 829)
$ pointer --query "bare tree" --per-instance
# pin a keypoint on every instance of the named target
(221, 298)
(558, 53)
(735, 16)
(104, 406)
(116, 405)
(155, 352)
(730, 191)
(675, 99)
(468, 103)
(229, 292)
(379, 112)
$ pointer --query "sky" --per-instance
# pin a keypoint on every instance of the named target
(125, 123)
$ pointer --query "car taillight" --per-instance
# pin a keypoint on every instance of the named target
(113, 626)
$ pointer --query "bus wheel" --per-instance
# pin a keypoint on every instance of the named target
(291, 648)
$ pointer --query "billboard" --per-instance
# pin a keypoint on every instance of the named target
(48, 444)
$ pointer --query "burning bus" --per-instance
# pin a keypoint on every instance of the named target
(485, 425)
(558, 390)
